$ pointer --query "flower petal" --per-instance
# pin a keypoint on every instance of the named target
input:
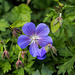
(41, 54)
(43, 41)
(23, 41)
(29, 28)
(42, 30)
(33, 49)
(41, 58)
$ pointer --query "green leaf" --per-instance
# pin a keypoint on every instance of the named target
(3, 24)
(36, 72)
(65, 52)
(7, 40)
(30, 57)
(29, 70)
(67, 66)
(21, 71)
(48, 16)
(61, 4)
(17, 24)
(45, 70)
(1, 47)
(30, 64)
(56, 0)
(55, 27)
(19, 13)
(6, 6)
(16, 48)
(1, 1)
(1, 55)
(6, 66)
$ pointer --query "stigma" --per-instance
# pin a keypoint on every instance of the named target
(35, 38)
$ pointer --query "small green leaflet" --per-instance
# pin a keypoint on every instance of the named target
(44, 71)
(55, 27)
(17, 24)
(67, 66)
(36, 72)
(21, 71)
(6, 66)
(3, 25)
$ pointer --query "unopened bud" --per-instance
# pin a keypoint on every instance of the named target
(54, 50)
(18, 30)
(5, 53)
(23, 54)
(14, 33)
(50, 47)
(47, 48)
(56, 21)
(59, 19)
(19, 63)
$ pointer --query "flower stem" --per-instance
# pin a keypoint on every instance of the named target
(60, 15)
(19, 55)
(3, 44)
(53, 56)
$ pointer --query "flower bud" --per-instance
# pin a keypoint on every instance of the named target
(53, 49)
(18, 30)
(58, 19)
(19, 63)
(5, 53)
(14, 33)
(47, 48)
(23, 54)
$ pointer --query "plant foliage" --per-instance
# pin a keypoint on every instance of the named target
(15, 13)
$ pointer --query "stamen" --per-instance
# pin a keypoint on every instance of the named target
(34, 39)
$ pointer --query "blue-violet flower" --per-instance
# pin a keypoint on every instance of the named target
(41, 53)
(35, 36)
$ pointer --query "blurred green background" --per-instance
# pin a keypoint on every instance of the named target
(15, 13)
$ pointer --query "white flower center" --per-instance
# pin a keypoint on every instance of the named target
(34, 38)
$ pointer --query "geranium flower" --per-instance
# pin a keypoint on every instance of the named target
(41, 53)
(34, 36)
